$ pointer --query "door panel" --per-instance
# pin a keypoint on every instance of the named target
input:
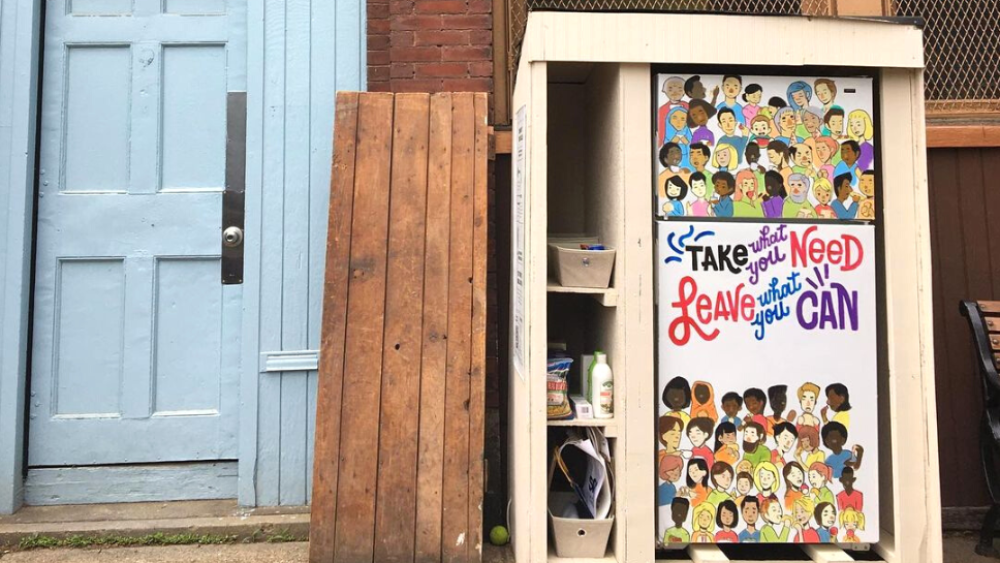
(136, 341)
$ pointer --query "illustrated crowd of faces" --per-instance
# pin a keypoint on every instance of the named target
(765, 147)
(747, 469)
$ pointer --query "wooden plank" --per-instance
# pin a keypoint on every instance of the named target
(959, 136)
(477, 382)
(989, 306)
(363, 341)
(501, 74)
(433, 363)
(825, 553)
(455, 509)
(991, 169)
(859, 8)
(395, 510)
(504, 142)
(331, 370)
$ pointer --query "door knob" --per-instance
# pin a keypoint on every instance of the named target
(232, 237)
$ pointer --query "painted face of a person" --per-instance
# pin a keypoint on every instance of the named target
(674, 156)
(750, 513)
(788, 123)
(836, 124)
(766, 480)
(698, 90)
(701, 393)
(774, 157)
(797, 190)
(727, 122)
(743, 485)
(823, 196)
(723, 188)
(834, 441)
(698, 159)
(829, 516)
(675, 397)
(697, 436)
(834, 400)
(811, 122)
(752, 153)
(858, 127)
(824, 93)
(755, 97)
(678, 513)
(806, 443)
(848, 155)
(867, 185)
(779, 399)
(802, 515)
(785, 440)
(760, 128)
(698, 115)
(728, 438)
(808, 400)
(673, 475)
(750, 435)
(704, 520)
(699, 189)
(796, 477)
(800, 98)
(730, 407)
(824, 152)
(673, 190)
(672, 437)
(696, 473)
(774, 512)
(803, 155)
(678, 119)
(750, 191)
(816, 479)
(727, 516)
(724, 157)
(843, 192)
(753, 405)
(724, 480)
(847, 480)
(674, 89)
(731, 87)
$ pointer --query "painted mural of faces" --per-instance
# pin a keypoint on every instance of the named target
(828, 516)
(867, 184)
(725, 158)
(823, 92)
(678, 119)
(774, 512)
(751, 512)
(673, 88)
(836, 124)
(699, 189)
(824, 152)
(727, 121)
(858, 127)
(803, 155)
(760, 128)
(731, 87)
(798, 187)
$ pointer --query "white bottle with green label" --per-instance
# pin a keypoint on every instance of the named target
(602, 387)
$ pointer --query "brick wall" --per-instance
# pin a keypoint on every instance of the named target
(430, 46)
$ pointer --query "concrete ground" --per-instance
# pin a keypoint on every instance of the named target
(296, 552)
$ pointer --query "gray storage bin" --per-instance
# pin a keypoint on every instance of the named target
(582, 268)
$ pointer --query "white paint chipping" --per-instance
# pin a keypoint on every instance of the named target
(461, 539)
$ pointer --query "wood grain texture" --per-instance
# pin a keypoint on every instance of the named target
(477, 382)
(395, 511)
(455, 509)
(435, 328)
(330, 388)
(363, 340)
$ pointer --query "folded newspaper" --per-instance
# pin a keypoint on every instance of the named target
(585, 461)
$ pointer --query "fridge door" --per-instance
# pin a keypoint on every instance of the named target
(766, 382)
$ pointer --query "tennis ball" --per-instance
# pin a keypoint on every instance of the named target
(499, 535)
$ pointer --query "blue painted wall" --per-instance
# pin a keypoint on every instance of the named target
(19, 25)
(300, 53)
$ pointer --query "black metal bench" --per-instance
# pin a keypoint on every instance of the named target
(984, 320)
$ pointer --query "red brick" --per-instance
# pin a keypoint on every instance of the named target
(401, 39)
(379, 86)
(417, 85)
(477, 21)
(440, 38)
(401, 70)
(378, 73)
(466, 53)
(441, 7)
(442, 70)
(481, 37)
(468, 84)
(417, 22)
(484, 68)
(377, 11)
(376, 58)
(378, 42)
(480, 6)
(398, 8)
(415, 54)
(379, 27)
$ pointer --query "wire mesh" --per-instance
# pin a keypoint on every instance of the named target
(961, 52)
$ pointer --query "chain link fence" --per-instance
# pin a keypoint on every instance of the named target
(961, 52)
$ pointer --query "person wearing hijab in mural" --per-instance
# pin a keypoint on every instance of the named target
(823, 153)
(849, 497)
(699, 113)
(746, 200)
(833, 123)
(677, 398)
(724, 159)
(670, 431)
(808, 393)
(673, 89)
(795, 483)
(732, 84)
(785, 123)
(866, 207)
(727, 518)
(700, 206)
(728, 122)
(703, 401)
(826, 92)
(819, 478)
(726, 449)
(699, 430)
(732, 402)
(826, 518)
(754, 450)
(677, 131)
(703, 523)
(670, 157)
(834, 438)
(799, 97)
(750, 509)
(676, 190)
(838, 400)
(722, 480)
(802, 512)
(844, 205)
(678, 513)
(851, 521)
(797, 205)
(774, 196)
(861, 131)
(725, 185)
(808, 451)
(751, 102)
(775, 531)
(823, 192)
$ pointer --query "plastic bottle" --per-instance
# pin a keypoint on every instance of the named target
(602, 390)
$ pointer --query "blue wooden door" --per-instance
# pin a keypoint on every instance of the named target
(136, 342)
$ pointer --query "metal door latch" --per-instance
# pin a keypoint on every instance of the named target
(232, 237)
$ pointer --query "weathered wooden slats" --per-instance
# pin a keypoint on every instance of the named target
(395, 511)
(434, 361)
(329, 392)
(365, 325)
(455, 509)
(399, 434)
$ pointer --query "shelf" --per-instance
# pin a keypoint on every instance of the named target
(609, 424)
(608, 558)
(607, 296)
